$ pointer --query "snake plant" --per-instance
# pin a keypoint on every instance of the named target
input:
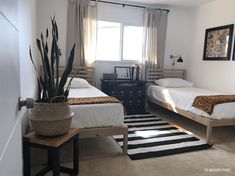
(51, 85)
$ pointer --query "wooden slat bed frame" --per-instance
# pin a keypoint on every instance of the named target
(88, 73)
(152, 75)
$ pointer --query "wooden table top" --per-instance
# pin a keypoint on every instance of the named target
(52, 141)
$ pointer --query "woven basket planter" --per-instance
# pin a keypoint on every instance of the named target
(51, 119)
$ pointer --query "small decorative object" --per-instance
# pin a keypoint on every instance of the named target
(132, 71)
(51, 114)
(110, 76)
(175, 59)
(123, 72)
(218, 41)
(137, 72)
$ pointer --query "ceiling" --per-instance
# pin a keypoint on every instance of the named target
(188, 3)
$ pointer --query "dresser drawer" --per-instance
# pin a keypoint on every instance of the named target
(119, 94)
(130, 93)
(133, 103)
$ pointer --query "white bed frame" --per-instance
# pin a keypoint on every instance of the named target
(88, 73)
(154, 74)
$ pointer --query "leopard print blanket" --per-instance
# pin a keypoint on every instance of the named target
(207, 103)
(92, 100)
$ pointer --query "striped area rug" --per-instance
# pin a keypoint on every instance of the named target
(149, 136)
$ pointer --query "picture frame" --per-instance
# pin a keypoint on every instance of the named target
(218, 43)
(233, 57)
(124, 73)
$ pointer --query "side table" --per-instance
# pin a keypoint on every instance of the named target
(53, 146)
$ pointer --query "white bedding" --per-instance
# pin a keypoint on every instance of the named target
(95, 115)
(183, 98)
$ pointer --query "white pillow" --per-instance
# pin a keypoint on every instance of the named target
(78, 83)
(173, 82)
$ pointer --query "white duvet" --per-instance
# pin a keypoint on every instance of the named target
(183, 98)
(95, 115)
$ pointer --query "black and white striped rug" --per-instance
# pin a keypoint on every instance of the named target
(149, 136)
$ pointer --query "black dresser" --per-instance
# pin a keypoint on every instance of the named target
(130, 92)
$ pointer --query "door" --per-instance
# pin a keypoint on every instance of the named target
(10, 125)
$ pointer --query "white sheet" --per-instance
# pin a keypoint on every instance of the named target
(95, 115)
(183, 98)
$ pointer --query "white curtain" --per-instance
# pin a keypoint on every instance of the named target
(155, 25)
(82, 30)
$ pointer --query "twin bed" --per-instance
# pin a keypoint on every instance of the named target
(180, 99)
(95, 120)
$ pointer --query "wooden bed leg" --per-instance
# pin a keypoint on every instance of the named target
(125, 141)
(208, 133)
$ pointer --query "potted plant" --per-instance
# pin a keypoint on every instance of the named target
(51, 114)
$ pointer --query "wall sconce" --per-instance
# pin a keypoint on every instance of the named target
(177, 58)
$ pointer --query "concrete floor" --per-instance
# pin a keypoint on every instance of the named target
(102, 156)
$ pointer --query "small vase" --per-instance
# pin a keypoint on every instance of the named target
(137, 73)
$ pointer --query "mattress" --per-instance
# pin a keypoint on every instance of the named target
(183, 98)
(95, 115)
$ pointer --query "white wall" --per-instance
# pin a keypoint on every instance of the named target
(50, 8)
(215, 75)
(117, 13)
(178, 38)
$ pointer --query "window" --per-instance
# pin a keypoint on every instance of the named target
(108, 41)
(117, 42)
(132, 43)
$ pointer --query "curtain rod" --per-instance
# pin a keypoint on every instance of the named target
(130, 5)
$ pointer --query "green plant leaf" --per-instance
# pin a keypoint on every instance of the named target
(66, 93)
(57, 61)
(44, 97)
(53, 66)
(56, 30)
(47, 67)
(67, 71)
(34, 66)
(46, 48)
(47, 33)
(70, 81)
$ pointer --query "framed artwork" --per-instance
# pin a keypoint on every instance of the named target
(233, 57)
(124, 72)
(218, 41)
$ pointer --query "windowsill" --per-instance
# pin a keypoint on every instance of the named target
(122, 61)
